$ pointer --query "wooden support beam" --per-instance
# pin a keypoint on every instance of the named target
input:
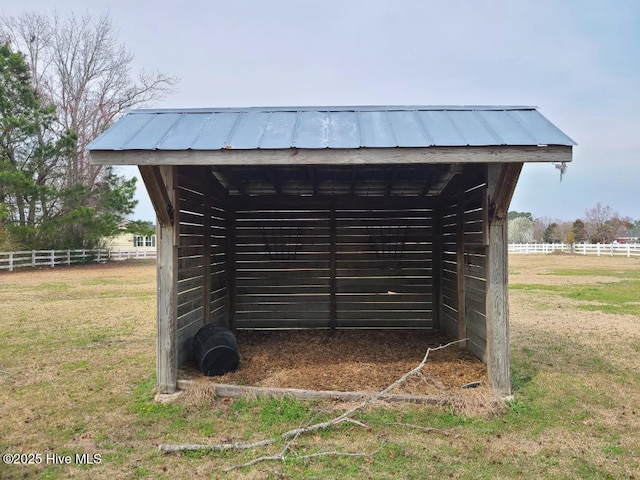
(313, 177)
(505, 186)
(208, 190)
(245, 391)
(208, 181)
(434, 175)
(232, 179)
(167, 292)
(213, 182)
(272, 177)
(336, 156)
(353, 179)
(460, 265)
(437, 266)
(497, 299)
(428, 183)
(322, 201)
(333, 310)
(230, 266)
(158, 193)
(392, 178)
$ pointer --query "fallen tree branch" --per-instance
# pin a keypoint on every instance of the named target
(216, 446)
(294, 433)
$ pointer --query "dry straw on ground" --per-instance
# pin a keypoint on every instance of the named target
(355, 361)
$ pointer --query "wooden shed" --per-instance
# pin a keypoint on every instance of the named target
(333, 217)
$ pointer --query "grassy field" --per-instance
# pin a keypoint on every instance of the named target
(77, 356)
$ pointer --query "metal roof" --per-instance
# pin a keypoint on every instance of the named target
(330, 127)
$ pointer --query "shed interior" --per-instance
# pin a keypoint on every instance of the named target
(342, 246)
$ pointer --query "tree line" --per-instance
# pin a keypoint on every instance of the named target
(63, 81)
(600, 224)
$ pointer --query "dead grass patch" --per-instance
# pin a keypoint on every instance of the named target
(77, 355)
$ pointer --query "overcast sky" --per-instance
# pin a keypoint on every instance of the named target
(577, 60)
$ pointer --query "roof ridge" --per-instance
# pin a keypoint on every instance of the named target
(336, 108)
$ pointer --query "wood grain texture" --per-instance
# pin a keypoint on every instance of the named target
(497, 301)
(361, 156)
(167, 279)
(158, 192)
(460, 267)
(238, 391)
(230, 267)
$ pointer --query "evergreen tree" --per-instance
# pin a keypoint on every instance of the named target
(551, 234)
(579, 230)
(38, 208)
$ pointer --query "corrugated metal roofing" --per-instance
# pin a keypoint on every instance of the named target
(330, 127)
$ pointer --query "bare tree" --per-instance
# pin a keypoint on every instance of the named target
(564, 228)
(598, 215)
(604, 223)
(78, 65)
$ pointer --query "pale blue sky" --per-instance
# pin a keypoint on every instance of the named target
(577, 60)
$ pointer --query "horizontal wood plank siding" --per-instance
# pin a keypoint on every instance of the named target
(201, 256)
(282, 268)
(475, 232)
(464, 220)
(449, 314)
(383, 267)
(218, 276)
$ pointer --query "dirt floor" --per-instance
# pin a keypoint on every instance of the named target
(350, 360)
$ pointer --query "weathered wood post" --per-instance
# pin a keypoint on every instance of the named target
(501, 182)
(161, 185)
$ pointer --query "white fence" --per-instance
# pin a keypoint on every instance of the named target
(50, 258)
(599, 249)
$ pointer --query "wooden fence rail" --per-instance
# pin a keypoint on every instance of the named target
(599, 249)
(50, 258)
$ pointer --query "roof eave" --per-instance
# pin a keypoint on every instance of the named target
(336, 156)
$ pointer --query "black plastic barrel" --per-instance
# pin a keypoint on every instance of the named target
(215, 349)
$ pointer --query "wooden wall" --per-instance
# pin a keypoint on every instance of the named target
(384, 268)
(449, 310)
(464, 234)
(202, 290)
(328, 264)
(282, 268)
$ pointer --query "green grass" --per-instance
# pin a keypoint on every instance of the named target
(593, 272)
(77, 377)
(622, 297)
